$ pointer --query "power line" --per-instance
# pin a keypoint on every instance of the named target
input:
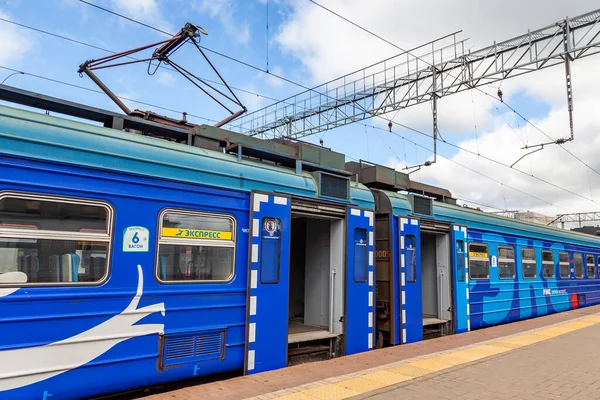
(464, 198)
(203, 47)
(479, 173)
(114, 52)
(501, 164)
(207, 119)
(542, 132)
(294, 83)
(490, 159)
(100, 92)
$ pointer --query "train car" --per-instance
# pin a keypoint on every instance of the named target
(134, 254)
(128, 261)
(445, 269)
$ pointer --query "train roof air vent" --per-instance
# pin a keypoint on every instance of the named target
(332, 186)
(422, 205)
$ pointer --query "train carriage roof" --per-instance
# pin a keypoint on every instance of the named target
(34, 135)
(476, 219)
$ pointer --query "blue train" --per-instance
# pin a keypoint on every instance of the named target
(134, 254)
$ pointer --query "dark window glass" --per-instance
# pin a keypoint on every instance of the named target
(564, 265)
(547, 264)
(410, 246)
(479, 262)
(591, 267)
(196, 247)
(460, 260)
(528, 259)
(506, 263)
(270, 250)
(52, 240)
(361, 256)
(189, 262)
(29, 212)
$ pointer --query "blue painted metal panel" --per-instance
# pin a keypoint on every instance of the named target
(360, 302)
(410, 280)
(34, 318)
(460, 275)
(495, 301)
(268, 289)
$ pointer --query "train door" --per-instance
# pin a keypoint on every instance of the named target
(268, 283)
(460, 280)
(410, 280)
(360, 305)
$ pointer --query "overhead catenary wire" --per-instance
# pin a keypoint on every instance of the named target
(307, 88)
(247, 64)
(101, 92)
(200, 117)
(55, 35)
(505, 165)
(542, 132)
(428, 63)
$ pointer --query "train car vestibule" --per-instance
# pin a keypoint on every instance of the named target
(436, 283)
(316, 297)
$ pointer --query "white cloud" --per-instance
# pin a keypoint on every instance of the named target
(328, 47)
(165, 78)
(224, 10)
(552, 164)
(14, 45)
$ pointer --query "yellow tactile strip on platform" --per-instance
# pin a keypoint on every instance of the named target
(346, 386)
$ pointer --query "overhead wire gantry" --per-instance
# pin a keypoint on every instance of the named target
(426, 73)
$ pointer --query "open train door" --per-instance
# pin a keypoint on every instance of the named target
(462, 313)
(268, 283)
(359, 281)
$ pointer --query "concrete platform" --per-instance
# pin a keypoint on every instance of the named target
(551, 357)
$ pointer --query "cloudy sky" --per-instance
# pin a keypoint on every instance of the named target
(308, 45)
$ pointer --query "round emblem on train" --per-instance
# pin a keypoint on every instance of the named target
(271, 226)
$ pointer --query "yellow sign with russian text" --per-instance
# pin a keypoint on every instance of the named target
(195, 234)
(477, 254)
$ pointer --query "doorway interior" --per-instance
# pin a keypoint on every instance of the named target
(436, 283)
(316, 298)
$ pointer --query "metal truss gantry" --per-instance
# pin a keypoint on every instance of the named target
(408, 79)
(578, 218)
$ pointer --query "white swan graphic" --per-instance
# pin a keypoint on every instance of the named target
(22, 367)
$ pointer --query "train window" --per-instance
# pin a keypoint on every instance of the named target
(591, 267)
(270, 250)
(460, 260)
(479, 262)
(563, 265)
(506, 263)
(361, 255)
(195, 247)
(578, 263)
(528, 259)
(410, 244)
(547, 264)
(53, 240)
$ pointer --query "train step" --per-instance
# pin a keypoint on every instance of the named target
(299, 351)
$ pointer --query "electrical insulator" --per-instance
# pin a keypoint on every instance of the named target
(500, 95)
(390, 126)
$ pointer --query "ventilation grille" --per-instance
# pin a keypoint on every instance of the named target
(181, 348)
(333, 186)
(422, 206)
